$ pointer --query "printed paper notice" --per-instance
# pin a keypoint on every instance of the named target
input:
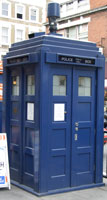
(59, 112)
(30, 111)
(4, 163)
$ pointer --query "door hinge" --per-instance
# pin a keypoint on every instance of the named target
(94, 167)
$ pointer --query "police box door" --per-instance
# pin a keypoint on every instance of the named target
(22, 125)
(72, 127)
(83, 127)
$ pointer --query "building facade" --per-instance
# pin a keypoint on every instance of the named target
(18, 18)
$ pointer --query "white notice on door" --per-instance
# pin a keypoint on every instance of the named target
(30, 111)
(59, 112)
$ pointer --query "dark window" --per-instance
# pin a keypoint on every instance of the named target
(19, 15)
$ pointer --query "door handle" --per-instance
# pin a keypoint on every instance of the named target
(76, 136)
(65, 112)
(76, 128)
(76, 123)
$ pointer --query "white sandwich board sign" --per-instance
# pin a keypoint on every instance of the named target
(4, 162)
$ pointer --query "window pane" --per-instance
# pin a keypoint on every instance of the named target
(15, 85)
(5, 9)
(20, 9)
(84, 86)
(33, 14)
(4, 31)
(20, 12)
(59, 85)
(4, 35)
(30, 85)
(72, 32)
(30, 111)
(19, 36)
(83, 32)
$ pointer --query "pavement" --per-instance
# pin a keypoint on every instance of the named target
(98, 193)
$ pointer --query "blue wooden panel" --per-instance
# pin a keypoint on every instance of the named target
(59, 135)
(85, 140)
(15, 134)
(58, 166)
(30, 137)
(15, 110)
(58, 138)
(15, 160)
(29, 164)
(83, 163)
(84, 111)
(83, 146)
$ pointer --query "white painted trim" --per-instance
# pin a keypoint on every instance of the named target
(17, 23)
(75, 23)
(39, 3)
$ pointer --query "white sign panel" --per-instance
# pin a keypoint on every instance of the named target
(59, 112)
(4, 163)
(30, 111)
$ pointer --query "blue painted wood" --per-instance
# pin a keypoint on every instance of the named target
(100, 123)
(59, 134)
(44, 156)
(83, 149)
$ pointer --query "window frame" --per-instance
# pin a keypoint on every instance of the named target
(37, 14)
(6, 25)
(17, 91)
(23, 14)
(84, 86)
(9, 9)
(31, 86)
(83, 37)
(19, 27)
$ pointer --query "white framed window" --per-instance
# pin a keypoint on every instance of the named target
(79, 32)
(20, 12)
(33, 14)
(5, 34)
(5, 9)
(72, 32)
(83, 32)
(69, 5)
(19, 35)
(5, 38)
(83, 2)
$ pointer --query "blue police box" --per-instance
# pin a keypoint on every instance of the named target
(53, 113)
